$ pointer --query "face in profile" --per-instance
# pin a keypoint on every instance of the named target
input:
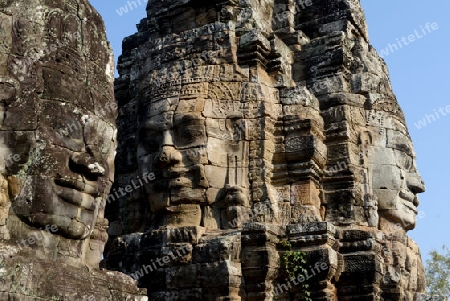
(394, 177)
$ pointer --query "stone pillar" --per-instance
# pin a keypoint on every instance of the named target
(259, 260)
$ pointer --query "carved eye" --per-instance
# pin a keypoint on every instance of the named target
(404, 161)
(408, 164)
(150, 145)
(190, 134)
(150, 141)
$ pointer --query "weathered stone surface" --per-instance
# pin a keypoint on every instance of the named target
(277, 121)
(26, 278)
(57, 142)
(242, 125)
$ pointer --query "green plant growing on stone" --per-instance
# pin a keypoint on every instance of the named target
(293, 263)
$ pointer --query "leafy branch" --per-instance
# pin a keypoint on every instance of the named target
(293, 264)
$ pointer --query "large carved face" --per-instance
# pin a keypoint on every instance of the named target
(172, 145)
(195, 158)
(393, 174)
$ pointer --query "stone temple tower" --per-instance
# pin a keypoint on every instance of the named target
(251, 129)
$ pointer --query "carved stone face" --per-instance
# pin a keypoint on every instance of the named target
(172, 146)
(394, 177)
(68, 173)
(56, 123)
(192, 169)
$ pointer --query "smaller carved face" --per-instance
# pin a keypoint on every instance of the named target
(395, 180)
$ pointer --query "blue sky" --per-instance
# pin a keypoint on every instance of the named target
(420, 77)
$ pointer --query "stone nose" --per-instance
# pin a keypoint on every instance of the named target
(164, 156)
(169, 156)
(86, 164)
(415, 183)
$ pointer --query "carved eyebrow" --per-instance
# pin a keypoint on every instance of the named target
(179, 119)
(405, 148)
(159, 122)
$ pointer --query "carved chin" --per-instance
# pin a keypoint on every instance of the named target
(66, 227)
(404, 216)
(39, 206)
(187, 195)
(77, 230)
